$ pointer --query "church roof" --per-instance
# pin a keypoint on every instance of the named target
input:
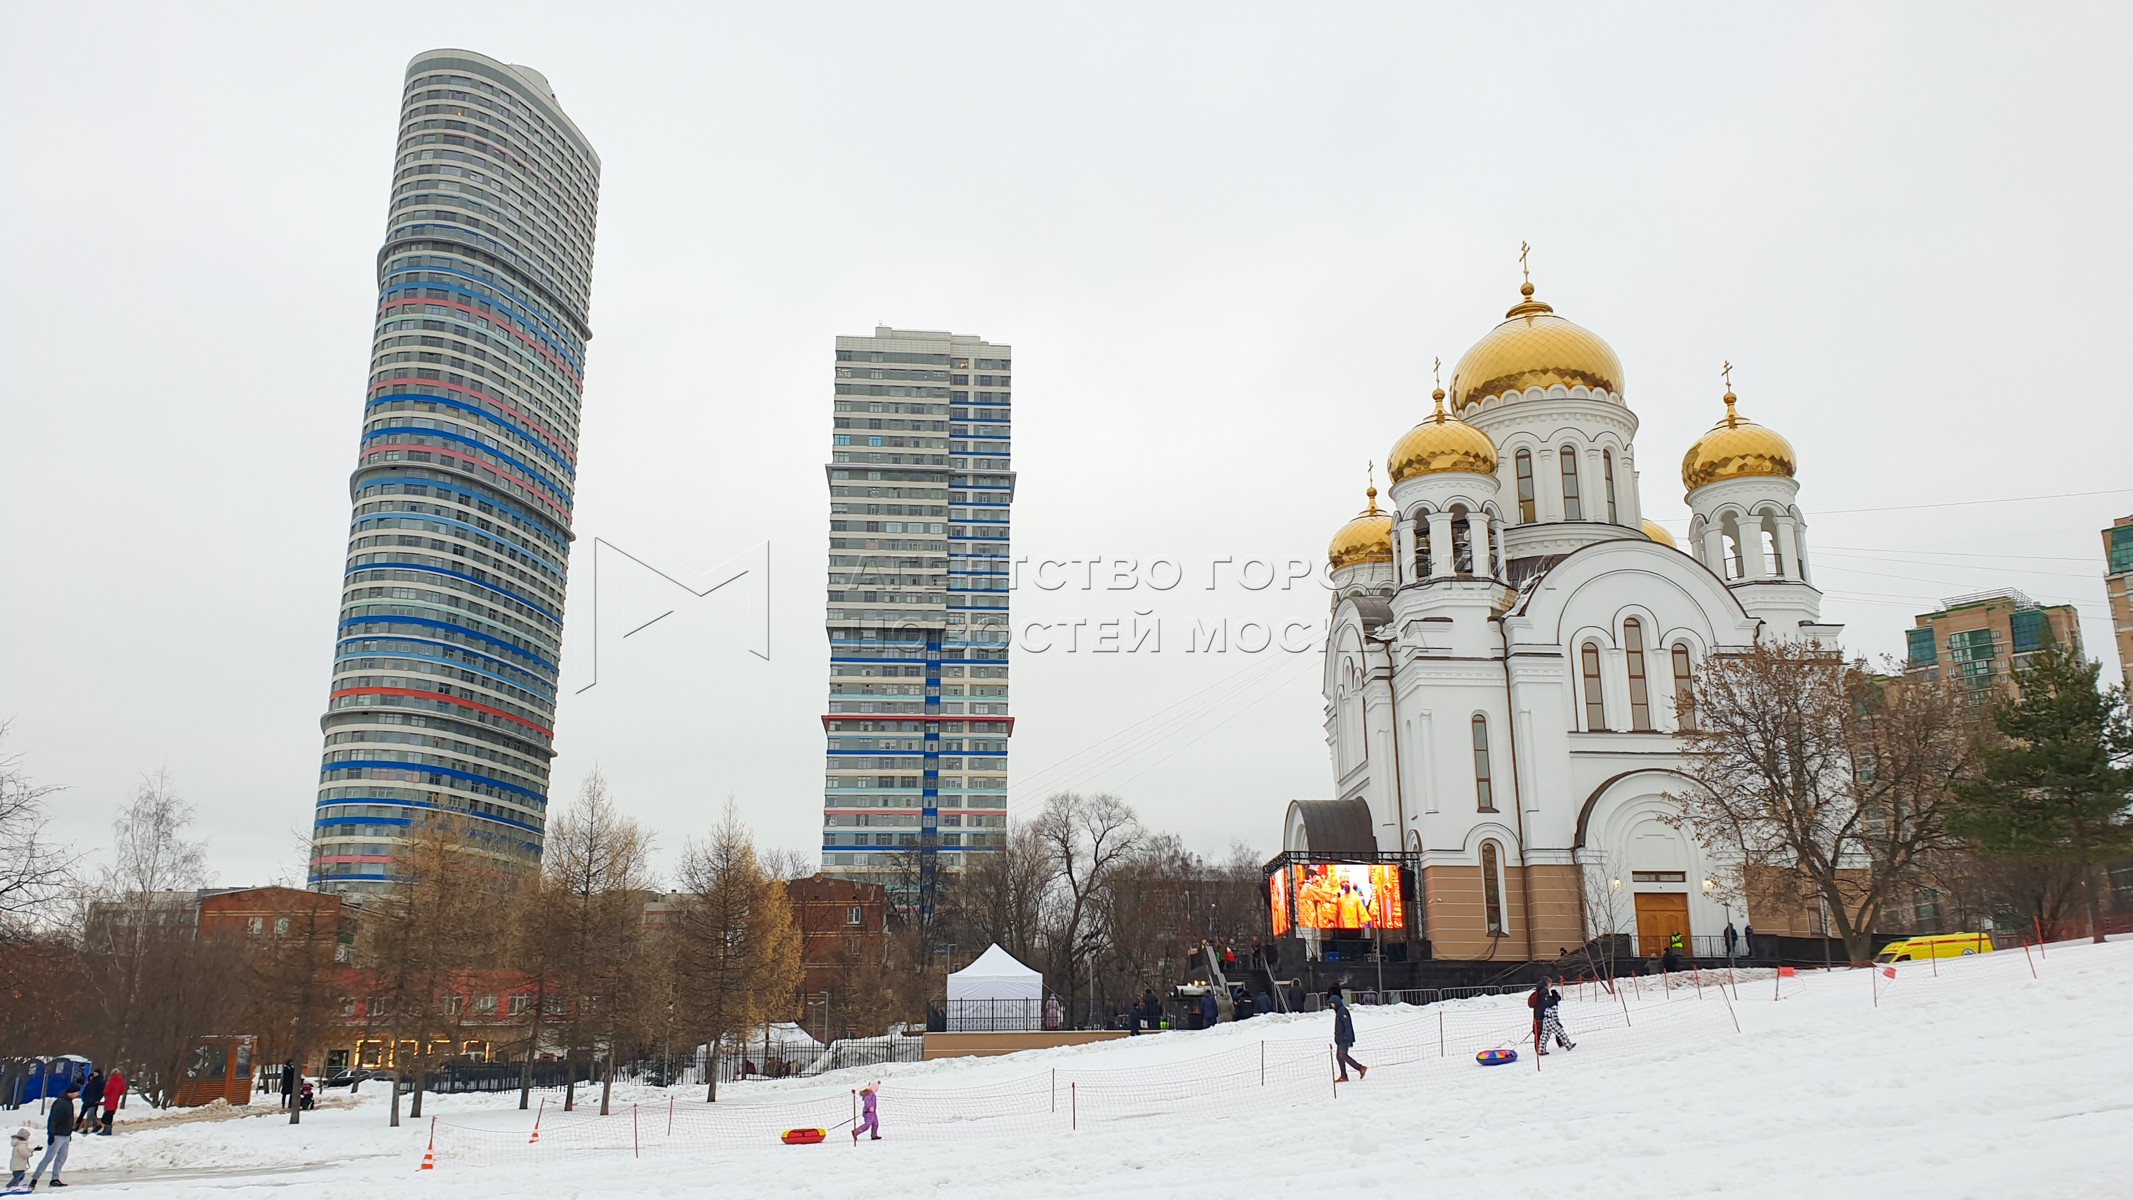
(1337, 826)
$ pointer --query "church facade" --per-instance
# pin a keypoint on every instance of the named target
(1512, 648)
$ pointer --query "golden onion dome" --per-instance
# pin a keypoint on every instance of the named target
(1534, 348)
(1442, 442)
(1366, 539)
(1736, 448)
(1657, 532)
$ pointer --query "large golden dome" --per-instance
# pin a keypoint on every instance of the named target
(1442, 442)
(1534, 348)
(1657, 532)
(1366, 539)
(1736, 448)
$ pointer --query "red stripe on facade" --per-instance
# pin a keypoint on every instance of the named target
(385, 691)
(531, 343)
(547, 434)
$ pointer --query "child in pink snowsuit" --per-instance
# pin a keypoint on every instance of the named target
(868, 1119)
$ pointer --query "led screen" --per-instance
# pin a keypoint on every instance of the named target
(1277, 888)
(1349, 897)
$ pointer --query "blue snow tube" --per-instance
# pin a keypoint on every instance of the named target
(1496, 1058)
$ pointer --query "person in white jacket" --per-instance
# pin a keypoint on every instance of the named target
(19, 1156)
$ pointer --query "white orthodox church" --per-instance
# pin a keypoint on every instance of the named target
(1509, 639)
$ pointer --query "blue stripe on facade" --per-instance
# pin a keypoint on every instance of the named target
(428, 623)
(555, 568)
(530, 320)
(408, 566)
(425, 804)
(454, 485)
(534, 439)
(404, 656)
(548, 485)
(425, 768)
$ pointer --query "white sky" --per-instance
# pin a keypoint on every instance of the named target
(1225, 243)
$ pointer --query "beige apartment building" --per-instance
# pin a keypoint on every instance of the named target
(2118, 585)
(1981, 638)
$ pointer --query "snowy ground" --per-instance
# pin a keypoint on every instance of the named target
(1977, 1081)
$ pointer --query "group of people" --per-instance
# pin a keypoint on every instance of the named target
(295, 1089)
(74, 1112)
(1547, 1026)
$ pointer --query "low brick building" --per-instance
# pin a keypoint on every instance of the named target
(843, 930)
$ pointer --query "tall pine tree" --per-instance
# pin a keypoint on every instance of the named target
(2056, 788)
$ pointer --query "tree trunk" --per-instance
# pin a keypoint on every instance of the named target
(296, 1099)
(711, 1070)
(394, 1083)
(607, 1080)
(570, 1083)
(2088, 884)
(422, 1075)
(525, 1080)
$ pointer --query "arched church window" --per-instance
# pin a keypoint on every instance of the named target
(1525, 487)
(1640, 699)
(1773, 559)
(1573, 507)
(1422, 562)
(1484, 789)
(1492, 888)
(1595, 702)
(1607, 482)
(1684, 688)
(1462, 542)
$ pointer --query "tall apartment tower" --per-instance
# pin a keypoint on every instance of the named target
(921, 480)
(451, 618)
(2118, 586)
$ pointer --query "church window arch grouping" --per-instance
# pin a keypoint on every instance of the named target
(1492, 887)
(1573, 505)
(1524, 463)
(1484, 784)
(1595, 699)
(1640, 699)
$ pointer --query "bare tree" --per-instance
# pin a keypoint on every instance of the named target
(786, 864)
(596, 868)
(736, 949)
(1003, 897)
(1829, 783)
(1606, 910)
(34, 873)
(1086, 838)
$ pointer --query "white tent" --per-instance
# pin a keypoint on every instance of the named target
(995, 993)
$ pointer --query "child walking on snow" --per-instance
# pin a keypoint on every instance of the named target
(19, 1156)
(1546, 1022)
(869, 1120)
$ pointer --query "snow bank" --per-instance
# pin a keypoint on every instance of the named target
(1974, 1081)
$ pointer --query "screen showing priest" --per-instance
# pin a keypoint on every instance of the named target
(1349, 897)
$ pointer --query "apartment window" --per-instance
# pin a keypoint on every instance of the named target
(485, 1005)
(1684, 687)
(1595, 701)
(1573, 507)
(519, 1005)
(255, 925)
(1640, 703)
(1492, 887)
(1525, 486)
(1484, 790)
(1607, 481)
(281, 927)
(855, 915)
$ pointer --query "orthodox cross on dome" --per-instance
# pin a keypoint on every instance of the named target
(1436, 371)
(1523, 250)
(1726, 372)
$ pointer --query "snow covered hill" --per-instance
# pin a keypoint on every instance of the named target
(1957, 1079)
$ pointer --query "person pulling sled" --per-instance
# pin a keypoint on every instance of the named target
(869, 1119)
(1547, 1022)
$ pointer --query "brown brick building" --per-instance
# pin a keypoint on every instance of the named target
(843, 930)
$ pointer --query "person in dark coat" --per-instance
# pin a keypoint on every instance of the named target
(1747, 940)
(1546, 1022)
(1265, 1003)
(1343, 1036)
(58, 1135)
(1153, 1009)
(92, 1095)
(1732, 940)
(1209, 1013)
(288, 1082)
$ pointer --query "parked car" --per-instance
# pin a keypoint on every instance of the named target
(1939, 945)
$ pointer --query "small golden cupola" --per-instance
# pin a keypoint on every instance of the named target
(1736, 448)
(1534, 348)
(1441, 443)
(1656, 532)
(1366, 539)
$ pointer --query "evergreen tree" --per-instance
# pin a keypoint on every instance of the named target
(2056, 787)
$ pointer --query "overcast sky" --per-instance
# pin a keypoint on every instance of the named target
(1225, 242)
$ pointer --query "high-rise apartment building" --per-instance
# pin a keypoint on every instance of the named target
(1981, 638)
(2118, 585)
(921, 479)
(451, 618)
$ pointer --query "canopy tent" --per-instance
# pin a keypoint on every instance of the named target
(995, 993)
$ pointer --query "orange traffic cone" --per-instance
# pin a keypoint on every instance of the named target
(535, 1139)
(429, 1154)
